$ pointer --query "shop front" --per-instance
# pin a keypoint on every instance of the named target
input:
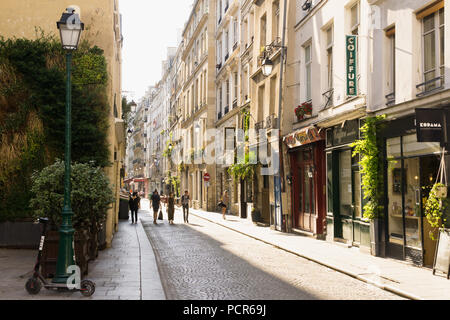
(345, 221)
(411, 169)
(307, 165)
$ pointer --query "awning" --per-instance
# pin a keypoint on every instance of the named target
(303, 137)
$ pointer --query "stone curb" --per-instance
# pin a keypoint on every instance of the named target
(389, 288)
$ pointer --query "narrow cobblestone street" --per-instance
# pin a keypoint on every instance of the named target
(202, 260)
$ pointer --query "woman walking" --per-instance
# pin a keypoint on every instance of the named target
(155, 202)
(225, 200)
(170, 207)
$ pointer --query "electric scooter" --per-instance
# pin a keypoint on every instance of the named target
(34, 284)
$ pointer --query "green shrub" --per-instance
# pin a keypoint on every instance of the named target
(91, 195)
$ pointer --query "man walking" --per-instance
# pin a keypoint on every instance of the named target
(135, 204)
(185, 203)
(156, 202)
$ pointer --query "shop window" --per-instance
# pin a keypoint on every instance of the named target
(412, 147)
(345, 183)
(330, 182)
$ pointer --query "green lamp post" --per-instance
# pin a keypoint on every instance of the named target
(70, 27)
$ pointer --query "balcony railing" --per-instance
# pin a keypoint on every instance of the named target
(227, 56)
(390, 99)
(219, 66)
(328, 96)
(272, 122)
(259, 126)
(227, 109)
(430, 86)
(219, 115)
(235, 103)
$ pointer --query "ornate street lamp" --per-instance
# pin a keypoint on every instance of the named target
(267, 67)
(70, 28)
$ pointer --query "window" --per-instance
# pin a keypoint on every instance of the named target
(235, 32)
(263, 30)
(276, 20)
(226, 42)
(308, 72)
(433, 49)
(227, 99)
(236, 88)
(328, 95)
(391, 78)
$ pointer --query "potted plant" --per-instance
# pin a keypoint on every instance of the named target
(303, 111)
(91, 196)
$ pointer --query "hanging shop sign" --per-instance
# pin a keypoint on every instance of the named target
(430, 124)
(351, 44)
(304, 136)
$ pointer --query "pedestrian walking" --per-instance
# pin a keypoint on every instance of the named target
(134, 204)
(170, 207)
(185, 203)
(224, 203)
(155, 203)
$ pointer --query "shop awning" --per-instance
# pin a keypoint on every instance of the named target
(303, 137)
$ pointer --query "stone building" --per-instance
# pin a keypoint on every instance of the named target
(198, 101)
(103, 20)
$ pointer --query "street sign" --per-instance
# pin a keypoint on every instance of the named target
(206, 177)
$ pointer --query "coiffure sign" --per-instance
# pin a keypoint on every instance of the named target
(350, 45)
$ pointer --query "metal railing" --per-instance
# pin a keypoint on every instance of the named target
(328, 95)
(390, 99)
(429, 86)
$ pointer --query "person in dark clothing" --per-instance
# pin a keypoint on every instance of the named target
(135, 205)
(156, 202)
(185, 203)
(170, 207)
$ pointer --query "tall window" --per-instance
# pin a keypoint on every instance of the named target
(433, 49)
(276, 20)
(219, 52)
(227, 98)
(308, 62)
(236, 88)
(226, 42)
(330, 42)
(235, 32)
(263, 31)
(390, 33)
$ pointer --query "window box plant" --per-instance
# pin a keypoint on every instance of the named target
(303, 111)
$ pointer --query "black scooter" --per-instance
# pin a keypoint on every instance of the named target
(34, 284)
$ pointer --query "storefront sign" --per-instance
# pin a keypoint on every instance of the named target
(302, 137)
(430, 125)
(351, 44)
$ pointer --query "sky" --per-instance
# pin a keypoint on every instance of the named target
(148, 28)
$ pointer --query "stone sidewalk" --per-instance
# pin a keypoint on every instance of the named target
(395, 276)
(127, 271)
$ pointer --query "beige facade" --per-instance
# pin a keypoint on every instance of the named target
(102, 22)
(198, 100)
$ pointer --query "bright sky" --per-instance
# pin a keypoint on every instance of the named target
(149, 27)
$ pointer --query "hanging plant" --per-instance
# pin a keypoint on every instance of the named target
(436, 206)
(370, 163)
(246, 170)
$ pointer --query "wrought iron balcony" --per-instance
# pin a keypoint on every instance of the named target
(390, 99)
(272, 122)
(430, 86)
(259, 125)
(227, 109)
(329, 97)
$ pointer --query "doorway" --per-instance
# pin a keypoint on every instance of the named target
(304, 216)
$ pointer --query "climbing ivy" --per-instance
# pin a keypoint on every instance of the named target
(32, 113)
(370, 162)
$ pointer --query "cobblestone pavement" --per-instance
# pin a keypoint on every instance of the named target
(203, 261)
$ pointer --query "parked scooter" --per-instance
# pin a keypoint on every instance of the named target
(34, 284)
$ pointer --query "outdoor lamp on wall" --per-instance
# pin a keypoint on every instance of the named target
(70, 27)
(267, 67)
